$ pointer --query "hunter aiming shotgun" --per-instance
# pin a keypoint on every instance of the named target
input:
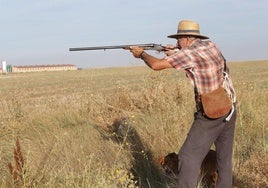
(150, 46)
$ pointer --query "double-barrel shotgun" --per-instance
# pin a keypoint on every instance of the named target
(150, 46)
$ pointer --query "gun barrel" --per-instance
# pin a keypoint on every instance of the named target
(150, 46)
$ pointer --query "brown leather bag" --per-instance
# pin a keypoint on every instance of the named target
(216, 103)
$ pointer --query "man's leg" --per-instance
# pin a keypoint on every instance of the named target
(201, 136)
(224, 150)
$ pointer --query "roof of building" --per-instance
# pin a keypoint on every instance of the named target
(41, 66)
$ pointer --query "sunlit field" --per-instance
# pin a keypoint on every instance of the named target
(108, 127)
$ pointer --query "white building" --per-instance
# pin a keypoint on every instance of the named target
(41, 68)
(4, 66)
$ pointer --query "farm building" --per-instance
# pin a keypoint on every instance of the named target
(5, 68)
(41, 68)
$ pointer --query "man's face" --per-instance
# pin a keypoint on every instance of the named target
(183, 42)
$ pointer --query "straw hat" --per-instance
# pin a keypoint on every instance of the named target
(188, 28)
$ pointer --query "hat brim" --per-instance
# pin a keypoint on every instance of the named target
(176, 36)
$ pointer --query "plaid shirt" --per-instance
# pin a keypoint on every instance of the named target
(203, 64)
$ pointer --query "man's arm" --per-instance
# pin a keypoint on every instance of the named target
(151, 61)
(155, 63)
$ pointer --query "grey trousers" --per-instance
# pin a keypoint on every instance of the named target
(202, 135)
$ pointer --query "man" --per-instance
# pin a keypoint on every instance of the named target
(205, 67)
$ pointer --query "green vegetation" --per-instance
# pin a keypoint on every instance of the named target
(109, 127)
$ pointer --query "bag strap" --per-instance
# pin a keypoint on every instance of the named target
(226, 81)
(225, 69)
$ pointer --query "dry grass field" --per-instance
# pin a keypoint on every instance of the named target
(109, 127)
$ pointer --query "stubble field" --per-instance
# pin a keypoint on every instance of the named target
(109, 127)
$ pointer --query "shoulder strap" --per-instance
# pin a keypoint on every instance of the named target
(226, 69)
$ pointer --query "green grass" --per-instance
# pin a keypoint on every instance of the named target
(108, 127)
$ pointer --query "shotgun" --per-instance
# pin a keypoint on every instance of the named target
(150, 46)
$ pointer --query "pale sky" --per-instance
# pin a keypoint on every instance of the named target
(35, 32)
